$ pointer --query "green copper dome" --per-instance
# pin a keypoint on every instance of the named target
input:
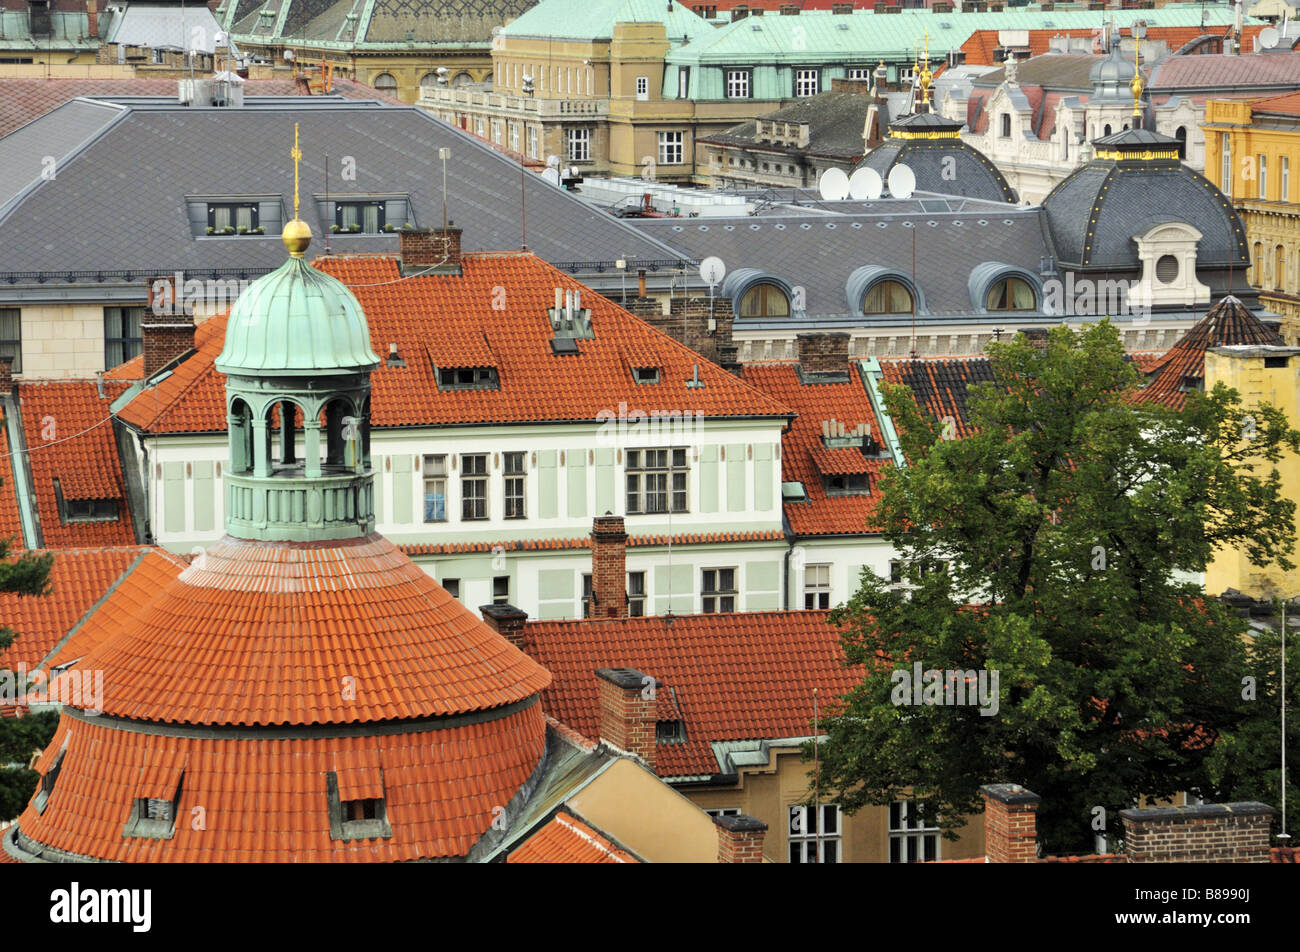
(296, 321)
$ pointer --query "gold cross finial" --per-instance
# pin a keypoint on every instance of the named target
(296, 153)
(1136, 85)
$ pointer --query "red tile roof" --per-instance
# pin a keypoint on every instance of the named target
(307, 633)
(1183, 366)
(265, 799)
(434, 318)
(980, 45)
(805, 459)
(69, 434)
(11, 526)
(941, 385)
(1230, 73)
(78, 579)
(566, 839)
(533, 545)
(1288, 104)
(22, 100)
(743, 676)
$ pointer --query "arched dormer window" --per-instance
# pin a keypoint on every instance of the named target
(1011, 294)
(758, 294)
(887, 297)
(764, 300)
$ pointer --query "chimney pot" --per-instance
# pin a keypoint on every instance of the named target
(508, 621)
(1010, 823)
(740, 838)
(627, 711)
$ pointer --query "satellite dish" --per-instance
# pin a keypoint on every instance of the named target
(865, 185)
(552, 175)
(902, 182)
(712, 271)
(1268, 37)
(553, 161)
(288, 56)
(834, 185)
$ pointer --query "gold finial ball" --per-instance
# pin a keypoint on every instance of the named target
(296, 237)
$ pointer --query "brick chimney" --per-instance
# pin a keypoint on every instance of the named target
(92, 18)
(627, 711)
(826, 353)
(428, 247)
(608, 567)
(1010, 823)
(6, 376)
(507, 621)
(1037, 336)
(740, 838)
(1208, 833)
(166, 329)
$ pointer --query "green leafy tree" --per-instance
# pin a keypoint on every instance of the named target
(1064, 525)
(26, 575)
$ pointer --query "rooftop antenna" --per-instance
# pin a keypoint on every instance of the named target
(817, 789)
(327, 200)
(444, 154)
(1136, 85)
(1284, 835)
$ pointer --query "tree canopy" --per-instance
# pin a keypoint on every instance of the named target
(1066, 525)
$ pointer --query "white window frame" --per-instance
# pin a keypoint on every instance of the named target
(532, 141)
(643, 88)
(434, 471)
(858, 72)
(636, 600)
(803, 840)
(481, 484)
(654, 472)
(578, 141)
(910, 835)
(683, 82)
(1263, 177)
(738, 83)
(1284, 180)
(807, 82)
(514, 137)
(817, 587)
(714, 601)
(1225, 166)
(672, 148)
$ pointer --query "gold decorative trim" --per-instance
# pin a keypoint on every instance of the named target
(935, 134)
(1146, 156)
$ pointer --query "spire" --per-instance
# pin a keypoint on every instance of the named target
(925, 77)
(1136, 85)
(296, 235)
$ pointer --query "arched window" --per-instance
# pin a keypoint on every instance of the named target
(342, 434)
(1105, 131)
(284, 423)
(765, 300)
(1006, 125)
(887, 297)
(1279, 269)
(464, 79)
(241, 437)
(385, 83)
(1011, 294)
(429, 81)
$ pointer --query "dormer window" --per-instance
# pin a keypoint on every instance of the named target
(366, 218)
(156, 805)
(84, 510)
(39, 17)
(670, 732)
(645, 375)
(887, 297)
(48, 780)
(1011, 294)
(357, 806)
(846, 484)
(233, 218)
(765, 300)
(468, 378)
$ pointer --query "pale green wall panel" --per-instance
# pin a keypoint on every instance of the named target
(709, 479)
(577, 466)
(605, 482)
(204, 498)
(547, 484)
(682, 579)
(555, 583)
(762, 576)
(736, 477)
(174, 497)
(763, 602)
(403, 492)
(763, 467)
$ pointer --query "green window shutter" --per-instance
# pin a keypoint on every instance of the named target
(709, 479)
(378, 464)
(763, 477)
(204, 510)
(605, 481)
(174, 497)
(577, 465)
(403, 494)
(547, 485)
(736, 477)
(683, 582)
(555, 584)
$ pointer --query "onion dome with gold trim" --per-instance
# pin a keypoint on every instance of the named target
(931, 146)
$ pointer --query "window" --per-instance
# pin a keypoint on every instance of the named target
(850, 484)
(473, 486)
(501, 590)
(807, 82)
(579, 145)
(765, 300)
(122, 337)
(435, 488)
(670, 148)
(643, 87)
(385, 82)
(683, 82)
(670, 732)
(817, 587)
(514, 137)
(858, 72)
(11, 336)
(452, 586)
(586, 595)
(365, 218)
(913, 836)
(656, 480)
(635, 594)
(48, 780)
(1279, 268)
(514, 464)
(723, 811)
(1006, 125)
(887, 297)
(645, 374)
(1105, 130)
(737, 84)
(1284, 180)
(231, 218)
(532, 141)
(467, 378)
(155, 817)
(478, 126)
(1010, 294)
(1263, 178)
(718, 591)
(1167, 269)
(708, 12)
(91, 510)
(811, 842)
(496, 131)
(1225, 166)
(895, 571)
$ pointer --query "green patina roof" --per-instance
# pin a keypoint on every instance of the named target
(595, 19)
(296, 321)
(863, 37)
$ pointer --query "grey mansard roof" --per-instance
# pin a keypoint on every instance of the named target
(969, 173)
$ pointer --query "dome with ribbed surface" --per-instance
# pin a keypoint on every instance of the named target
(297, 321)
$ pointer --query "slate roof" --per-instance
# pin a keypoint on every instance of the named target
(835, 121)
(805, 458)
(970, 173)
(820, 253)
(1214, 72)
(1182, 368)
(378, 24)
(1095, 211)
(744, 676)
(118, 201)
(1053, 70)
(941, 386)
(442, 320)
(566, 839)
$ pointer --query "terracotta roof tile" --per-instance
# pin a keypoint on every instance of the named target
(743, 676)
(981, 45)
(456, 321)
(941, 386)
(69, 434)
(803, 452)
(529, 545)
(1288, 104)
(566, 839)
(11, 526)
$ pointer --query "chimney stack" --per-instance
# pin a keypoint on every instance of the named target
(740, 838)
(1037, 336)
(608, 567)
(627, 711)
(439, 248)
(1010, 823)
(1208, 833)
(92, 19)
(6, 376)
(166, 329)
(823, 353)
(507, 621)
